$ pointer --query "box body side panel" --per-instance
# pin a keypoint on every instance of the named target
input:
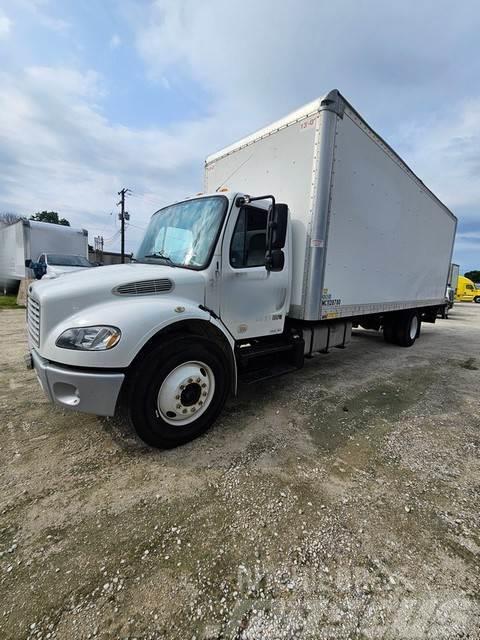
(280, 164)
(12, 253)
(55, 238)
(389, 240)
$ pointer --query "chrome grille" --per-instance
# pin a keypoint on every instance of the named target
(33, 320)
(144, 287)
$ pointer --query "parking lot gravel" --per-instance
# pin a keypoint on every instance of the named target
(340, 501)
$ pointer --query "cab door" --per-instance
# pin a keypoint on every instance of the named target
(253, 301)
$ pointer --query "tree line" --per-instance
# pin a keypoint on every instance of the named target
(53, 217)
(474, 275)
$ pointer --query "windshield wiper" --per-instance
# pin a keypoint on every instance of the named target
(162, 256)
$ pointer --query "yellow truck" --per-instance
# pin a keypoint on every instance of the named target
(466, 291)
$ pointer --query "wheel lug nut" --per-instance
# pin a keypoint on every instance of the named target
(200, 402)
(184, 411)
(192, 409)
(190, 380)
(182, 386)
(197, 380)
(204, 393)
(179, 406)
(177, 397)
(204, 385)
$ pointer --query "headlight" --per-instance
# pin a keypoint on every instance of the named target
(89, 338)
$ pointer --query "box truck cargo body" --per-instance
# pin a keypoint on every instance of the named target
(308, 228)
(28, 239)
(368, 235)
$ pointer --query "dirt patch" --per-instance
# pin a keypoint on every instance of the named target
(339, 502)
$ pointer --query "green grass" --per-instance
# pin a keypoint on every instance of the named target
(8, 302)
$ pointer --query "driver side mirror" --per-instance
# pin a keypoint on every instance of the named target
(277, 222)
(276, 237)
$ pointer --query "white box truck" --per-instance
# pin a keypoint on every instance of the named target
(26, 240)
(308, 227)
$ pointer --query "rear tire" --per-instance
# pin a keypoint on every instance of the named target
(402, 329)
(407, 328)
(177, 391)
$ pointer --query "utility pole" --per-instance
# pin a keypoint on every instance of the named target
(98, 240)
(122, 216)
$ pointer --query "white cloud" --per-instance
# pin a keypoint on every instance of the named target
(445, 152)
(5, 25)
(265, 58)
(261, 59)
(60, 152)
(115, 41)
(39, 9)
(255, 61)
(470, 235)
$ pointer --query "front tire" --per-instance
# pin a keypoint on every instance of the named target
(477, 299)
(177, 391)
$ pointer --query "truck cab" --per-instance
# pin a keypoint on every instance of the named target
(212, 272)
(56, 264)
(466, 290)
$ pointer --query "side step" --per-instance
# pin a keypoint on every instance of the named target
(261, 360)
(246, 354)
(259, 375)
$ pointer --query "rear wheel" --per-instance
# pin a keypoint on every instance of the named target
(177, 391)
(407, 329)
(402, 329)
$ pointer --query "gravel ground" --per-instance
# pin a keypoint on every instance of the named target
(341, 501)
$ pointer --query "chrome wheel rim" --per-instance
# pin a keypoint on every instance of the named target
(186, 393)
(413, 328)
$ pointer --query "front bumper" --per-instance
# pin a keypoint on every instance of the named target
(87, 391)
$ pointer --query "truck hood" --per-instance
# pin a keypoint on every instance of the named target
(53, 271)
(62, 297)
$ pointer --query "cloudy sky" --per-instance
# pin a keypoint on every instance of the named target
(101, 94)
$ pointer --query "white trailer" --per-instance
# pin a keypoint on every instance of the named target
(27, 240)
(308, 227)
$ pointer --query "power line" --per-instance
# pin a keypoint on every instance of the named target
(115, 235)
(136, 226)
(149, 199)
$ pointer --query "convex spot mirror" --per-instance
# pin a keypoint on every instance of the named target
(275, 260)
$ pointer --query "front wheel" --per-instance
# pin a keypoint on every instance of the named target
(477, 299)
(177, 391)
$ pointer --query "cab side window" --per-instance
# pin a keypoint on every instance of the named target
(249, 239)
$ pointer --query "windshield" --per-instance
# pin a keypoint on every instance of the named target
(68, 261)
(184, 234)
